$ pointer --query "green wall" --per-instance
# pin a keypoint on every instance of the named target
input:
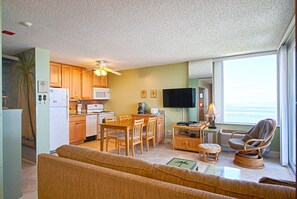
(193, 112)
(125, 89)
(42, 70)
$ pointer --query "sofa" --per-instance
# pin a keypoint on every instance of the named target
(79, 172)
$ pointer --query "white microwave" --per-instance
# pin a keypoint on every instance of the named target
(101, 93)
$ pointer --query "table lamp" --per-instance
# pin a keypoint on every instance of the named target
(211, 113)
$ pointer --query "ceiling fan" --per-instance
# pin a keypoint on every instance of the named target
(102, 69)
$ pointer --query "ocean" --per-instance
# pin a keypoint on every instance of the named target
(248, 114)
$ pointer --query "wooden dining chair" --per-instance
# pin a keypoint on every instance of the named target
(150, 132)
(124, 117)
(110, 133)
(134, 138)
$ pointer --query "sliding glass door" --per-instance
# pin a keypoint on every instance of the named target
(291, 105)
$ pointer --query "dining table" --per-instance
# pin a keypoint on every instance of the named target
(125, 126)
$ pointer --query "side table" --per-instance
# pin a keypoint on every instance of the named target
(214, 132)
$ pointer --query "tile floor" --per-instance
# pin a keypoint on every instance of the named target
(162, 154)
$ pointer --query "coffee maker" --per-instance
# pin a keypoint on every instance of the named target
(141, 107)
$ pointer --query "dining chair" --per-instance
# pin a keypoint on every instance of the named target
(135, 137)
(110, 133)
(150, 132)
(124, 117)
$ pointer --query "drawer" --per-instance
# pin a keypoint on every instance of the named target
(77, 118)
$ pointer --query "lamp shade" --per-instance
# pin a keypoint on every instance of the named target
(211, 111)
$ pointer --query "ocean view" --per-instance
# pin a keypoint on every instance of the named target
(251, 114)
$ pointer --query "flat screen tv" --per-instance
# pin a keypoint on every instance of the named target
(179, 98)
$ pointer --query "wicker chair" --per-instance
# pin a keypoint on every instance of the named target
(254, 143)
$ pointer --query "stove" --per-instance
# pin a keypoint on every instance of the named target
(99, 109)
(95, 108)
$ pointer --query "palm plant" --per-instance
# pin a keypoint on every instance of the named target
(26, 78)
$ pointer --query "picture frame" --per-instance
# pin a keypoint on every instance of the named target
(143, 93)
(153, 93)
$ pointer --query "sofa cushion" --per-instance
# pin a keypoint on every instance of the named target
(107, 160)
(215, 184)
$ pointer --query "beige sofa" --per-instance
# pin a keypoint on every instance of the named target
(79, 172)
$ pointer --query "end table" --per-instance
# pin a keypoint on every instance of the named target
(214, 132)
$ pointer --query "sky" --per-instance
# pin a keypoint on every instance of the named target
(251, 81)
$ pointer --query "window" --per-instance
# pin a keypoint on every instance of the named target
(249, 89)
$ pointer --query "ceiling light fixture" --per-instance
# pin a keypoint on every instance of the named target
(100, 72)
(26, 23)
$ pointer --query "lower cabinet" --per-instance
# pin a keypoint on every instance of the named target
(77, 129)
(186, 143)
(160, 136)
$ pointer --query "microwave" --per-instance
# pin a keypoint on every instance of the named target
(101, 93)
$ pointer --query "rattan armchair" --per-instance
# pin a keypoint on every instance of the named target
(254, 143)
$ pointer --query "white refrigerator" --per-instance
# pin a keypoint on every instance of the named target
(59, 118)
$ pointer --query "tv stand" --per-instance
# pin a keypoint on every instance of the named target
(185, 142)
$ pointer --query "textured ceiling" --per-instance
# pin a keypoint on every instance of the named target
(137, 33)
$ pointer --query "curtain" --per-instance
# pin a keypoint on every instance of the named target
(283, 103)
(218, 86)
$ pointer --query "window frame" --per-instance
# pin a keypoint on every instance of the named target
(218, 70)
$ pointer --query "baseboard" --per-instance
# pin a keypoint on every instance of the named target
(272, 154)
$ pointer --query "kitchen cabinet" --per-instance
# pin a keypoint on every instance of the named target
(99, 81)
(66, 76)
(55, 75)
(160, 128)
(87, 84)
(75, 83)
(71, 79)
(77, 129)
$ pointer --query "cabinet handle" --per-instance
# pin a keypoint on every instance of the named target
(76, 123)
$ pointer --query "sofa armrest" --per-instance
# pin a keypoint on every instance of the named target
(287, 183)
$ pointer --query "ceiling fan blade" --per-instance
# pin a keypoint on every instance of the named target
(112, 71)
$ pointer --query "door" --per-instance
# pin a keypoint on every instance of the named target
(87, 85)
(75, 83)
(91, 125)
(66, 76)
(55, 75)
(201, 103)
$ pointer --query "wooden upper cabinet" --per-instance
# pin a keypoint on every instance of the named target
(99, 81)
(87, 84)
(55, 75)
(75, 83)
(66, 76)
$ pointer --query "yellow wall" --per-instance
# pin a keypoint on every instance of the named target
(125, 90)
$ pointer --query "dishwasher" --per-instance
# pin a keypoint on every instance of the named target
(91, 125)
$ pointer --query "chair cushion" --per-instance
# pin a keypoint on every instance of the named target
(236, 143)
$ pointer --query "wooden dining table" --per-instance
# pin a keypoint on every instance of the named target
(126, 126)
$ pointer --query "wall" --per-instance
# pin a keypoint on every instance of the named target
(42, 70)
(125, 89)
(193, 112)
